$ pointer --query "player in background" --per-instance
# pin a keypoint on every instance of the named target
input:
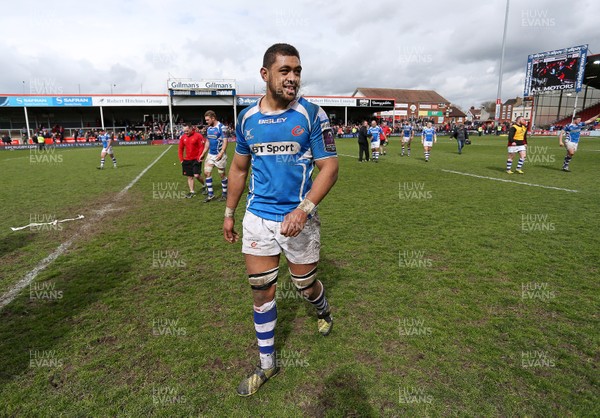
(375, 132)
(407, 137)
(191, 151)
(517, 143)
(573, 132)
(107, 140)
(428, 138)
(217, 155)
(385, 134)
(363, 142)
(281, 205)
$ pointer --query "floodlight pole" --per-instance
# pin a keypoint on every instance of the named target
(498, 96)
(27, 124)
(575, 106)
(170, 100)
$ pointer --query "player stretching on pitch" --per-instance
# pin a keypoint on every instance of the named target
(517, 142)
(375, 132)
(281, 209)
(217, 155)
(407, 136)
(107, 140)
(573, 131)
(428, 137)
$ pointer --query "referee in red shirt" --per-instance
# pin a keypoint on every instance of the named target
(191, 144)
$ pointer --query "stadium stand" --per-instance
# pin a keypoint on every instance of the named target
(585, 114)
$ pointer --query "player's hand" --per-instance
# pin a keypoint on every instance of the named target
(228, 232)
(293, 223)
(219, 156)
(561, 144)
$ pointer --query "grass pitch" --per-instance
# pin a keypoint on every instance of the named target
(452, 295)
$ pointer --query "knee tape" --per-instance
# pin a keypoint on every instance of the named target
(305, 281)
(264, 280)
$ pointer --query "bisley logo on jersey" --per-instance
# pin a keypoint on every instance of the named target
(275, 148)
(271, 121)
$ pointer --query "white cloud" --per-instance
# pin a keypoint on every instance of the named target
(450, 47)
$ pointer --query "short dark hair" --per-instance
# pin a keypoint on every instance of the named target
(286, 50)
(210, 114)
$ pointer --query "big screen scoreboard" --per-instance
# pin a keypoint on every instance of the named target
(561, 69)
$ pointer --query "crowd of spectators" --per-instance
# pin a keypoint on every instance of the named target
(159, 130)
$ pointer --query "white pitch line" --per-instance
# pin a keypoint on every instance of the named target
(510, 181)
(62, 248)
(15, 158)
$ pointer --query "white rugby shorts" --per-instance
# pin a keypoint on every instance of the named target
(513, 149)
(261, 237)
(211, 161)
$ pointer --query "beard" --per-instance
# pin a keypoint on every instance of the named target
(284, 93)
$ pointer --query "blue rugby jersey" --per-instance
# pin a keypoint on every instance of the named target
(376, 132)
(573, 131)
(428, 133)
(407, 131)
(105, 139)
(215, 138)
(284, 146)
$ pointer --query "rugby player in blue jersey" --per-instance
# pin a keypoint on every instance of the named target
(281, 139)
(407, 136)
(375, 132)
(217, 155)
(428, 138)
(107, 139)
(573, 132)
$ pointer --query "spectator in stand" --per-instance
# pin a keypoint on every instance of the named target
(41, 141)
(6, 139)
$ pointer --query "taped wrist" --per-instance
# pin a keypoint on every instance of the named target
(306, 206)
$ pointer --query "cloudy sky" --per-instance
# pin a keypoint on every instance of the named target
(134, 46)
